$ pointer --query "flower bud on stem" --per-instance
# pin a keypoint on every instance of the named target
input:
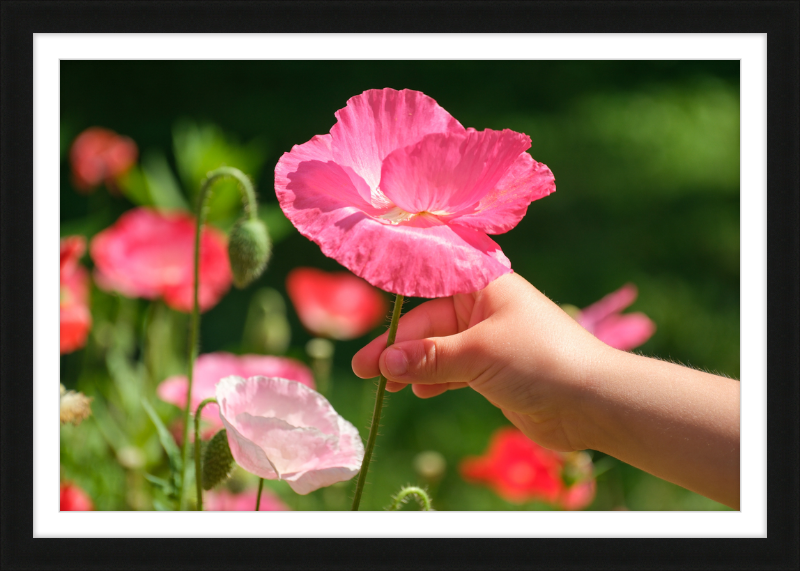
(198, 473)
(251, 210)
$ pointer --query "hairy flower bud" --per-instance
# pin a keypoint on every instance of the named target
(249, 249)
(217, 460)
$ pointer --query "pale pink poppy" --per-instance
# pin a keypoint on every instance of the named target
(338, 305)
(224, 501)
(100, 156)
(403, 196)
(150, 254)
(76, 320)
(283, 430)
(604, 319)
(210, 368)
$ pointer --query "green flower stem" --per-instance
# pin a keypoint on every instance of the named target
(402, 496)
(260, 489)
(251, 209)
(376, 415)
(198, 473)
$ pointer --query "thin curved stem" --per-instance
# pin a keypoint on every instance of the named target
(421, 495)
(260, 489)
(376, 414)
(198, 473)
(251, 209)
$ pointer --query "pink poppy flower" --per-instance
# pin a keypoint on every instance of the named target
(281, 429)
(338, 305)
(224, 501)
(604, 320)
(210, 368)
(76, 320)
(100, 156)
(73, 499)
(519, 470)
(150, 254)
(403, 196)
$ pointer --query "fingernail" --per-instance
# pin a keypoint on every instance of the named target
(396, 362)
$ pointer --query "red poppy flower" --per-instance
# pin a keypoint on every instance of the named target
(73, 499)
(150, 254)
(100, 156)
(519, 470)
(337, 305)
(76, 320)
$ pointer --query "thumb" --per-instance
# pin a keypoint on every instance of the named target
(452, 359)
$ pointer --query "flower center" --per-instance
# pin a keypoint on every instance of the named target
(397, 215)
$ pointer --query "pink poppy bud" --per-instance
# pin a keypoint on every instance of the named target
(402, 195)
(283, 430)
(150, 254)
(337, 305)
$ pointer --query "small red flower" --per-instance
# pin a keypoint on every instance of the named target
(100, 156)
(76, 320)
(519, 470)
(73, 499)
(337, 305)
(150, 254)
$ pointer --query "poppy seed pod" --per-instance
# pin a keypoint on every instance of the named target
(249, 249)
(217, 460)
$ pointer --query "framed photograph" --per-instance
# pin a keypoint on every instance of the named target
(647, 192)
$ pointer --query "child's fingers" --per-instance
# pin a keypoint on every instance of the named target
(457, 358)
(433, 318)
(393, 387)
(428, 391)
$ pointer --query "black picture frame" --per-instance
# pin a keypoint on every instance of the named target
(779, 20)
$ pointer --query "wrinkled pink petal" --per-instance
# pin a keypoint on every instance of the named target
(503, 207)
(225, 501)
(378, 121)
(449, 172)
(281, 429)
(612, 303)
(433, 261)
(386, 194)
(210, 368)
(625, 332)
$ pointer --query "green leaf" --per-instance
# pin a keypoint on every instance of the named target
(133, 185)
(163, 187)
(167, 442)
(200, 148)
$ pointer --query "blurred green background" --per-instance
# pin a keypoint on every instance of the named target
(646, 160)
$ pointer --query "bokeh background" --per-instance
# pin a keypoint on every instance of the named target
(646, 160)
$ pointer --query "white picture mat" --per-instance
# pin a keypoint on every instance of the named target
(749, 49)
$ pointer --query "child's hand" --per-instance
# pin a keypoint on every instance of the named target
(508, 342)
(564, 388)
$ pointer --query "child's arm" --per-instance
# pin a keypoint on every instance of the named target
(564, 388)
